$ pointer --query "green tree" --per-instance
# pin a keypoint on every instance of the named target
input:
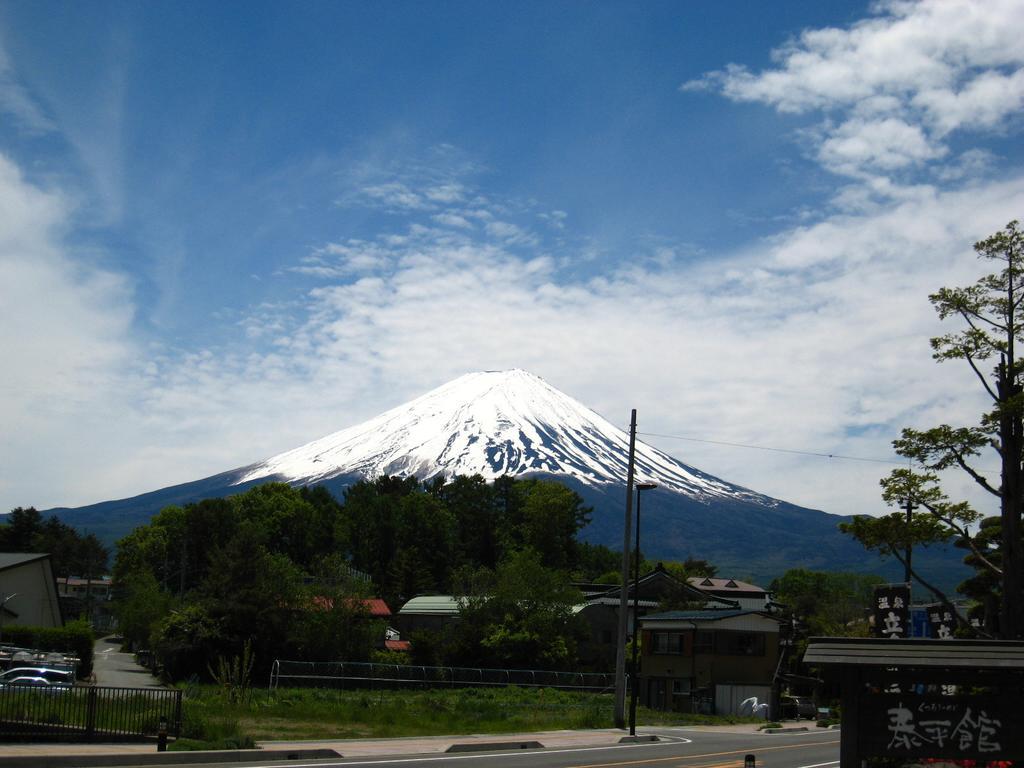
(825, 603)
(474, 505)
(527, 621)
(332, 621)
(550, 516)
(139, 608)
(991, 329)
(251, 592)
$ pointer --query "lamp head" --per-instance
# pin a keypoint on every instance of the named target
(646, 486)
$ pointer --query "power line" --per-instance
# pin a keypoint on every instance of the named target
(775, 450)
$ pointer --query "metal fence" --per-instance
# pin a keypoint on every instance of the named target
(87, 713)
(350, 674)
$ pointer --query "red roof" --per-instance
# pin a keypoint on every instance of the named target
(397, 645)
(375, 606)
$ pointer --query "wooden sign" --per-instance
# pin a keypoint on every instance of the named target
(891, 611)
(942, 621)
(949, 727)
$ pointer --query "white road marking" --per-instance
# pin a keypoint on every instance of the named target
(482, 755)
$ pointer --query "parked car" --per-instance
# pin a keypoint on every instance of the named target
(30, 682)
(797, 707)
(48, 673)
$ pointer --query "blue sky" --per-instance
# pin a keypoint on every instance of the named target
(227, 229)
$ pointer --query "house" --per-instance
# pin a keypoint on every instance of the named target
(28, 591)
(373, 608)
(707, 661)
(74, 586)
(601, 611)
(428, 612)
(92, 598)
(749, 597)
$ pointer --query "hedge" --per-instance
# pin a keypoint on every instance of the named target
(75, 637)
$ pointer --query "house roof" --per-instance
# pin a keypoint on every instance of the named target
(731, 586)
(698, 615)
(436, 605)
(374, 605)
(397, 645)
(14, 559)
(660, 579)
(79, 581)
(947, 654)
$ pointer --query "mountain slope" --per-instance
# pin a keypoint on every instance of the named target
(491, 423)
(512, 422)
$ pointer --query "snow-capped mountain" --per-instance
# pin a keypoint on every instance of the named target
(495, 423)
(490, 423)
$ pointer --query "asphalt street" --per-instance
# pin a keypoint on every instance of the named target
(678, 748)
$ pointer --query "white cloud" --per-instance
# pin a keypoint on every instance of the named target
(876, 145)
(901, 81)
(64, 331)
(453, 220)
(815, 339)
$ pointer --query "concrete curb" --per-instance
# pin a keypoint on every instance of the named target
(494, 746)
(638, 739)
(795, 729)
(166, 758)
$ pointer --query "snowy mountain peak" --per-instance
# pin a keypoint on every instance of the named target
(490, 423)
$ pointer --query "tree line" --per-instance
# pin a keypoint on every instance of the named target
(289, 570)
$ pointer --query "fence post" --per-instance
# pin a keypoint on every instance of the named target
(90, 715)
(177, 713)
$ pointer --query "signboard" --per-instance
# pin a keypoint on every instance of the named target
(950, 727)
(942, 621)
(891, 611)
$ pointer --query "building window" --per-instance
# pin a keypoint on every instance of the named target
(704, 642)
(667, 642)
(739, 644)
(681, 687)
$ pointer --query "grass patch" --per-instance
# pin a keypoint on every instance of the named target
(310, 713)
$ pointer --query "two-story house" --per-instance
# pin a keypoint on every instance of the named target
(707, 660)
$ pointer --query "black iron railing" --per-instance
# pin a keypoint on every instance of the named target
(87, 713)
(350, 674)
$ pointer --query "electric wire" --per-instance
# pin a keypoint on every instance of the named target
(774, 449)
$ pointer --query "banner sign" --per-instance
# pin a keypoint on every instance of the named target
(942, 621)
(891, 611)
(949, 727)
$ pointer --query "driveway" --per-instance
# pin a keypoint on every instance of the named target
(116, 668)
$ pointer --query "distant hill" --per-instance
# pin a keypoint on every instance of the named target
(511, 422)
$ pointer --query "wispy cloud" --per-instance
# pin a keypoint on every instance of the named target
(16, 101)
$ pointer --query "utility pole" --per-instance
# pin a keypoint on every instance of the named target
(620, 649)
(910, 547)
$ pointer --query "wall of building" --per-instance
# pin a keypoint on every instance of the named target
(35, 596)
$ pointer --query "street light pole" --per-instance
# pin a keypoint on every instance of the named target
(620, 644)
(634, 680)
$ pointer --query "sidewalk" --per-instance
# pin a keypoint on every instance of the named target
(62, 755)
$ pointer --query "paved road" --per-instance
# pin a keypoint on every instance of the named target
(112, 667)
(679, 748)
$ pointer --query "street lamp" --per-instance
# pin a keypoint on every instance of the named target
(634, 687)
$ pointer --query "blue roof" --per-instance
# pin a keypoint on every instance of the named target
(696, 615)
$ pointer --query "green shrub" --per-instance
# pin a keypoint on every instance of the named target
(75, 637)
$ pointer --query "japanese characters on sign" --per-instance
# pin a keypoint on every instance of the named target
(891, 611)
(977, 727)
(942, 621)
